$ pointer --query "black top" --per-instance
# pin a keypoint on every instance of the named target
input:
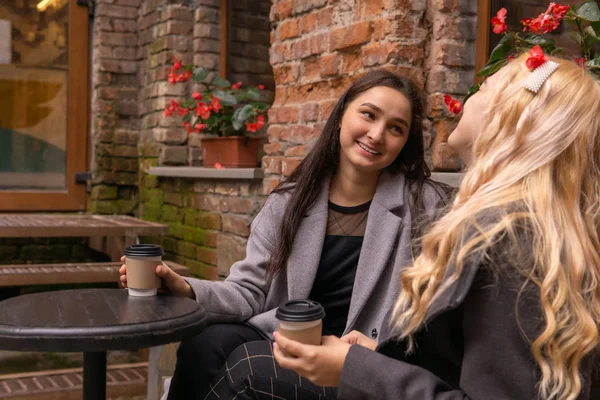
(96, 320)
(339, 258)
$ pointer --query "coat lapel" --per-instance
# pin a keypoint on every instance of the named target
(381, 237)
(303, 262)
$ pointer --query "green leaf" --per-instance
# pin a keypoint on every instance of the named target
(593, 64)
(597, 55)
(200, 75)
(491, 69)
(503, 48)
(227, 99)
(537, 40)
(237, 125)
(187, 117)
(253, 94)
(474, 89)
(596, 27)
(243, 113)
(589, 41)
(220, 82)
(589, 11)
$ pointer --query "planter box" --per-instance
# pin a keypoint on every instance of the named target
(231, 152)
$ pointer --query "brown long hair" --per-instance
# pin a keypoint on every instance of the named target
(306, 181)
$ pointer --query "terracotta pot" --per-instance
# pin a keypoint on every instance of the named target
(230, 151)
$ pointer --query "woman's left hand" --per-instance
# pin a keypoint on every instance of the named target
(322, 365)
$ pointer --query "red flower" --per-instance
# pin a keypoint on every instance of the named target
(580, 61)
(188, 127)
(170, 108)
(526, 22)
(236, 86)
(182, 111)
(454, 106)
(199, 127)
(202, 111)
(557, 10)
(510, 58)
(197, 96)
(536, 57)
(172, 77)
(219, 166)
(215, 104)
(176, 63)
(261, 87)
(498, 21)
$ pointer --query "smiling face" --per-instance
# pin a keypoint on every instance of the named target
(374, 129)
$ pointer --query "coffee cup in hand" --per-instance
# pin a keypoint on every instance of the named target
(141, 261)
(301, 320)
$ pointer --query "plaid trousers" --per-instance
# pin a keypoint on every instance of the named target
(251, 372)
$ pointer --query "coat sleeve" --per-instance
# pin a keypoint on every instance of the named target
(497, 362)
(243, 294)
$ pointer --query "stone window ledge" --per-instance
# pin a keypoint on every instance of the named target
(208, 173)
(449, 178)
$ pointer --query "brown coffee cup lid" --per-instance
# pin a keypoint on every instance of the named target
(143, 250)
(300, 311)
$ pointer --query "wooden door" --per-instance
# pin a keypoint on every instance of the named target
(44, 98)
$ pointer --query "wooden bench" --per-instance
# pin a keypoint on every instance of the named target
(125, 380)
(53, 274)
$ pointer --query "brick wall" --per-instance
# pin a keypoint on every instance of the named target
(208, 220)
(319, 47)
(115, 123)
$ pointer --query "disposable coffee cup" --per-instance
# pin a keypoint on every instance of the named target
(301, 320)
(141, 261)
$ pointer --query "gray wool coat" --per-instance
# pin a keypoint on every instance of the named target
(246, 296)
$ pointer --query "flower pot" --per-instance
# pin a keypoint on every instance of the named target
(231, 151)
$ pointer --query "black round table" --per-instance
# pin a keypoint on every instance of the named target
(93, 321)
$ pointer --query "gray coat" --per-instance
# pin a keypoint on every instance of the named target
(246, 296)
(476, 343)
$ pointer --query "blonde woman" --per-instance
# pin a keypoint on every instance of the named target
(504, 301)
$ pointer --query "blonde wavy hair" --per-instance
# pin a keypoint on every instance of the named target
(541, 151)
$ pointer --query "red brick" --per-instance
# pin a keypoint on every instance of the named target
(381, 53)
(351, 62)
(340, 85)
(324, 17)
(352, 35)
(269, 184)
(288, 29)
(280, 96)
(210, 238)
(444, 158)
(303, 133)
(239, 225)
(289, 165)
(275, 148)
(296, 151)
(276, 54)
(371, 7)
(278, 115)
(381, 28)
(237, 205)
(318, 43)
(272, 165)
(325, 109)
(273, 133)
(309, 112)
(329, 64)
(308, 23)
(311, 70)
(286, 73)
(282, 10)
(443, 129)
(207, 202)
(209, 221)
(207, 255)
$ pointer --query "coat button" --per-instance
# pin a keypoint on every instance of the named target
(374, 333)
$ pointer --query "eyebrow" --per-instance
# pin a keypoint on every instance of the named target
(379, 110)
